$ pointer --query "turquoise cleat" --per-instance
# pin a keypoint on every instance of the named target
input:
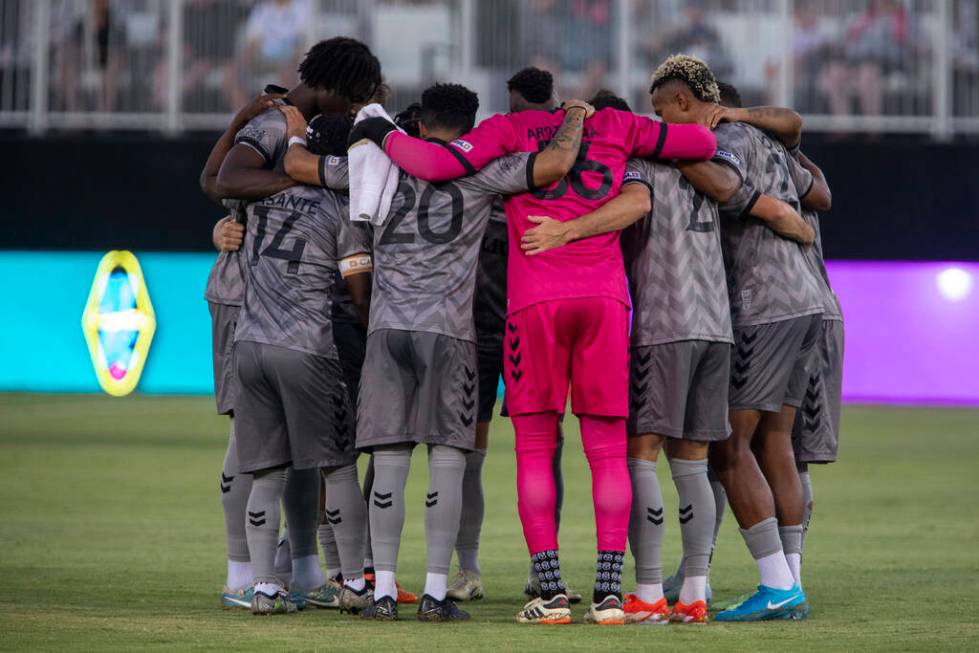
(768, 604)
(325, 596)
(240, 599)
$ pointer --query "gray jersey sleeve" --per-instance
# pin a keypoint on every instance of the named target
(734, 150)
(352, 238)
(802, 179)
(333, 172)
(508, 175)
(266, 134)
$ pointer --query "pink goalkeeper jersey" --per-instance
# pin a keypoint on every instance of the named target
(592, 267)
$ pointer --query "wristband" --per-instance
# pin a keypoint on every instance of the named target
(375, 129)
(297, 140)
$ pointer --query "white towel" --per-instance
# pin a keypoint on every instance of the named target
(373, 176)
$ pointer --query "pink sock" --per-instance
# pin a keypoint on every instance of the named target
(536, 440)
(604, 441)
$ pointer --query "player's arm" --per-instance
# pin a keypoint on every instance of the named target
(820, 197)
(226, 142)
(228, 234)
(356, 272)
(556, 160)
(615, 215)
(651, 139)
(785, 124)
(782, 219)
(302, 165)
(716, 181)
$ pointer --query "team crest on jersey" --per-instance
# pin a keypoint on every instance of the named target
(727, 156)
(465, 146)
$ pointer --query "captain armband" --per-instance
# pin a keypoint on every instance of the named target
(355, 264)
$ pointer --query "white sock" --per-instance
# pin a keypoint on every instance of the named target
(268, 589)
(775, 572)
(356, 584)
(435, 585)
(239, 575)
(332, 573)
(795, 565)
(649, 593)
(306, 572)
(385, 585)
(694, 589)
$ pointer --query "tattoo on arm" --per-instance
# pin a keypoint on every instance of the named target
(568, 137)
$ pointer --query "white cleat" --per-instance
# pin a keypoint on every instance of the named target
(466, 586)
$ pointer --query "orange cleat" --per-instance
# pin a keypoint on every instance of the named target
(695, 613)
(404, 596)
(647, 614)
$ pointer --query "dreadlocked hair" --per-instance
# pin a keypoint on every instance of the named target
(605, 98)
(407, 119)
(343, 65)
(534, 84)
(691, 71)
(327, 133)
(730, 97)
(450, 106)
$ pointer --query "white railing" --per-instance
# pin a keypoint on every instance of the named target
(174, 65)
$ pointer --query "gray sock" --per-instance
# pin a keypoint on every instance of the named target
(283, 556)
(235, 488)
(696, 514)
(646, 521)
(368, 484)
(387, 506)
(720, 504)
(262, 529)
(806, 503)
(347, 514)
(762, 538)
(328, 542)
(791, 537)
(443, 504)
(301, 505)
(473, 506)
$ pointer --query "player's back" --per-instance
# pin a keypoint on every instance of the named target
(676, 268)
(768, 277)
(814, 257)
(293, 242)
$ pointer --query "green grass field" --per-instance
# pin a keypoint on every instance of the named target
(111, 538)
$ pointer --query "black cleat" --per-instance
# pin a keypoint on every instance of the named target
(429, 609)
(383, 609)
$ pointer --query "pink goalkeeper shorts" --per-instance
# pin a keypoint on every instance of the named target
(581, 342)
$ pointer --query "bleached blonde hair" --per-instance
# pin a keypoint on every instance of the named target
(693, 72)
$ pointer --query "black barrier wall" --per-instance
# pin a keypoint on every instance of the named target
(893, 199)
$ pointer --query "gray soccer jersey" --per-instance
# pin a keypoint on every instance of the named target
(293, 244)
(675, 265)
(334, 173)
(814, 257)
(767, 275)
(426, 252)
(226, 281)
(266, 134)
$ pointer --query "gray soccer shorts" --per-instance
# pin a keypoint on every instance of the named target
(417, 387)
(292, 407)
(816, 435)
(768, 363)
(224, 318)
(679, 390)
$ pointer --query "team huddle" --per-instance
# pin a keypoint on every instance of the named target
(667, 274)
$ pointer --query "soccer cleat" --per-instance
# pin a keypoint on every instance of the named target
(240, 599)
(404, 596)
(638, 611)
(466, 586)
(673, 585)
(538, 611)
(326, 596)
(431, 609)
(352, 601)
(263, 604)
(695, 613)
(768, 604)
(607, 613)
(383, 609)
(531, 590)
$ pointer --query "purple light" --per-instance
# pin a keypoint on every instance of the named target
(911, 331)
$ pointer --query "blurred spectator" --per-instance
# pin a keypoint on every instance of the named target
(965, 58)
(812, 50)
(90, 44)
(877, 45)
(275, 37)
(687, 31)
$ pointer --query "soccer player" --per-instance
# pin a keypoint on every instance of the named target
(775, 308)
(293, 408)
(567, 324)
(420, 378)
